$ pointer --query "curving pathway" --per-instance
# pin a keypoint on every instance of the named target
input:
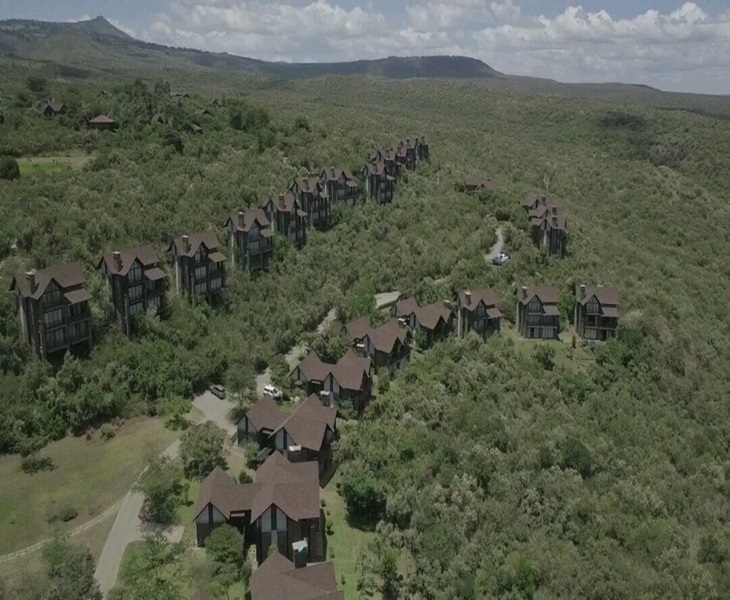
(496, 248)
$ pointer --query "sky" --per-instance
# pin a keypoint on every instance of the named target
(673, 45)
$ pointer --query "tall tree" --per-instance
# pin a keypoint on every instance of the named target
(71, 572)
(201, 449)
(163, 489)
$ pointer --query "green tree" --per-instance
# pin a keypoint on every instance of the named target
(576, 456)
(154, 573)
(201, 449)
(163, 489)
(9, 168)
(545, 355)
(71, 572)
(362, 494)
(388, 571)
(172, 138)
(330, 346)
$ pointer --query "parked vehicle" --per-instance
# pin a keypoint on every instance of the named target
(272, 391)
(218, 391)
(501, 260)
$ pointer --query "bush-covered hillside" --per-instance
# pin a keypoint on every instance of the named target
(499, 478)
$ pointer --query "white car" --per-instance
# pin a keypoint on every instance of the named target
(272, 391)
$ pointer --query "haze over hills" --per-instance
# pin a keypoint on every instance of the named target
(97, 44)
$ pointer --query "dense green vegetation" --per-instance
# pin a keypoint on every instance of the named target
(492, 472)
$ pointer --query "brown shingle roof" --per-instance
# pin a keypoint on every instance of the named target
(547, 294)
(293, 487)
(479, 182)
(384, 338)
(488, 296)
(406, 307)
(310, 185)
(313, 369)
(207, 238)
(250, 216)
(146, 256)
(334, 173)
(222, 491)
(278, 579)
(266, 414)
(350, 371)
(66, 276)
(429, 316)
(606, 295)
(309, 422)
(358, 329)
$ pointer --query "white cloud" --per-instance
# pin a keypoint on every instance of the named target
(682, 48)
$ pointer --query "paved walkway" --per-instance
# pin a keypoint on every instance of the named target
(127, 526)
(496, 248)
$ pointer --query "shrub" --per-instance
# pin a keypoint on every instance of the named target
(245, 477)
(9, 168)
(383, 382)
(63, 514)
(107, 432)
(362, 494)
(545, 355)
(35, 464)
(576, 456)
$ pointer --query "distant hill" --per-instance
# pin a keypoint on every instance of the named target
(99, 42)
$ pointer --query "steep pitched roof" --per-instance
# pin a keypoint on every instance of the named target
(54, 105)
(406, 307)
(606, 295)
(278, 579)
(479, 182)
(309, 422)
(312, 368)
(488, 296)
(293, 487)
(358, 329)
(66, 276)
(334, 173)
(146, 256)
(351, 369)
(310, 185)
(222, 491)
(208, 238)
(384, 338)
(266, 414)
(250, 216)
(286, 203)
(547, 294)
(429, 316)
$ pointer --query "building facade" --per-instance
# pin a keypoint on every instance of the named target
(250, 240)
(596, 312)
(199, 268)
(478, 311)
(538, 315)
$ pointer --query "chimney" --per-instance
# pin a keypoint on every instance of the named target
(582, 291)
(240, 219)
(117, 257)
(467, 297)
(408, 142)
(448, 304)
(186, 243)
(555, 221)
(543, 200)
(300, 550)
(554, 209)
(30, 278)
(524, 292)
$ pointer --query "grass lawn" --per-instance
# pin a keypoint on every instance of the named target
(346, 541)
(89, 476)
(46, 164)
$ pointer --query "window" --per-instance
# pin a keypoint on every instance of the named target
(594, 307)
(201, 289)
(53, 318)
(216, 284)
(201, 272)
(200, 255)
(254, 232)
(155, 302)
(135, 309)
(79, 310)
(55, 339)
(79, 330)
(480, 311)
(535, 306)
(135, 273)
(136, 292)
(51, 298)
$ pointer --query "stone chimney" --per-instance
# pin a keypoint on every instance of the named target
(467, 297)
(186, 243)
(30, 278)
(300, 550)
(240, 219)
(117, 258)
(524, 292)
(582, 291)
(543, 200)
(554, 209)
(555, 221)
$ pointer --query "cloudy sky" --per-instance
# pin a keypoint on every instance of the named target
(670, 44)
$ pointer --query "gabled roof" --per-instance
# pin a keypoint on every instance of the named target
(377, 168)
(146, 256)
(310, 185)
(208, 238)
(66, 276)
(350, 371)
(250, 216)
(429, 316)
(309, 422)
(606, 295)
(536, 199)
(54, 105)
(385, 337)
(406, 307)
(286, 203)
(488, 296)
(313, 369)
(479, 182)
(292, 487)
(552, 215)
(278, 579)
(266, 414)
(547, 294)
(358, 329)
